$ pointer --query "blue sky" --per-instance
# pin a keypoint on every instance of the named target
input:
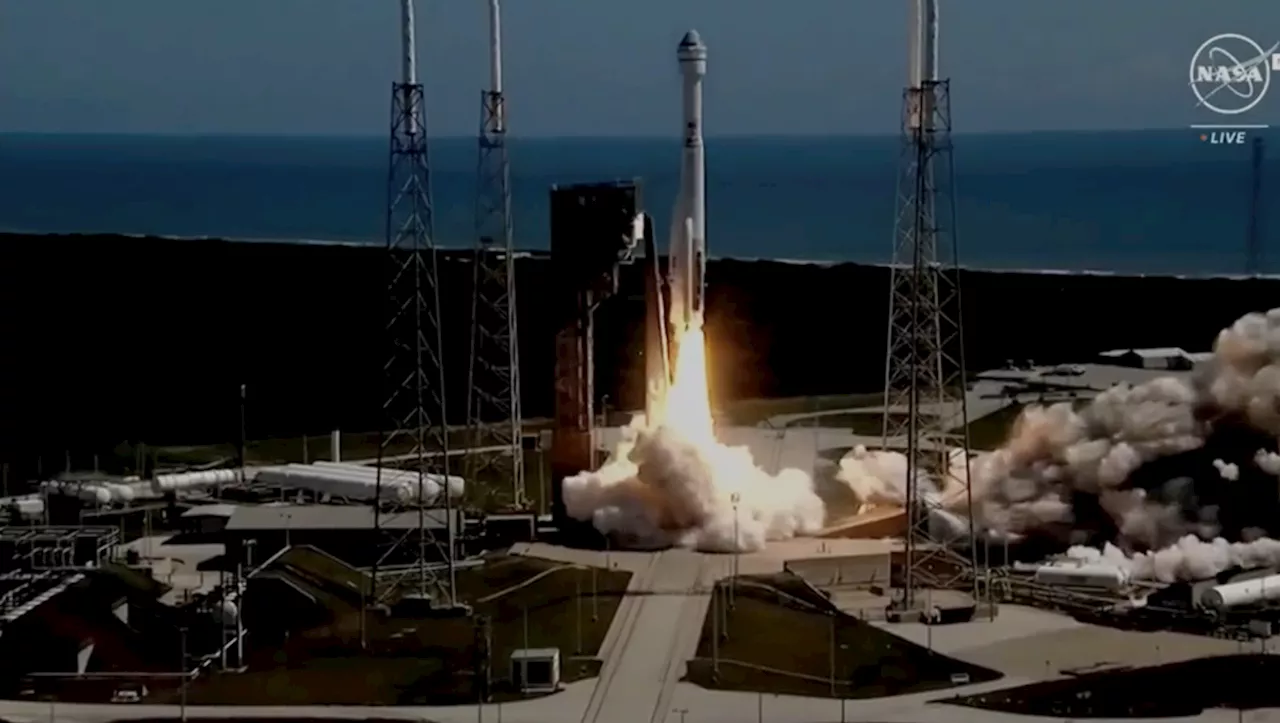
(603, 67)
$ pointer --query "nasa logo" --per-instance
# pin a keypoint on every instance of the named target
(1230, 73)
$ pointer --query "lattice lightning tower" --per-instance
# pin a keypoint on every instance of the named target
(494, 419)
(925, 406)
(414, 371)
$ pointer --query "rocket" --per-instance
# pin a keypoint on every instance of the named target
(688, 251)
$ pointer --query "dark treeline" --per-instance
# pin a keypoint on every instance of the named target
(110, 339)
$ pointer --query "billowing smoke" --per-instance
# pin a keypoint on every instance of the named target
(1167, 474)
(1190, 558)
(670, 483)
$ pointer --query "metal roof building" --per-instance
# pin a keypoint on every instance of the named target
(255, 532)
(330, 517)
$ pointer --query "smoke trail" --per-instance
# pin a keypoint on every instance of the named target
(670, 483)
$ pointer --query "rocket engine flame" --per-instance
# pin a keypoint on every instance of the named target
(671, 483)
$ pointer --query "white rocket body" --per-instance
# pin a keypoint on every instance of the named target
(688, 252)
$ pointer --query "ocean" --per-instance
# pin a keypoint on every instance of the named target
(1159, 202)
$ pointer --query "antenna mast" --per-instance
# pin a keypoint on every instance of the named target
(414, 427)
(1253, 242)
(924, 404)
(495, 456)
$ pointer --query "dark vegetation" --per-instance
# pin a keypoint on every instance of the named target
(147, 340)
(779, 639)
(272, 719)
(310, 652)
(1167, 691)
(991, 431)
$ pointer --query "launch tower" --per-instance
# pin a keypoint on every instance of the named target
(924, 402)
(494, 419)
(414, 426)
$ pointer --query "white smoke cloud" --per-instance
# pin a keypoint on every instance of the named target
(1190, 558)
(1268, 462)
(1056, 452)
(660, 489)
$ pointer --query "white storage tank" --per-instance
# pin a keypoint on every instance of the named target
(1245, 592)
(432, 482)
(224, 612)
(203, 479)
(1091, 575)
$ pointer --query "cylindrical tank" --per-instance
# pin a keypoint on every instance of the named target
(1245, 592)
(224, 612)
(431, 481)
(1094, 575)
(195, 480)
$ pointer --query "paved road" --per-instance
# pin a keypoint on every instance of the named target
(645, 658)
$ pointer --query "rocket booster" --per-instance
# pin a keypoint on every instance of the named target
(688, 252)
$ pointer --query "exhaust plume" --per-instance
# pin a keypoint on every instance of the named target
(670, 483)
(1175, 477)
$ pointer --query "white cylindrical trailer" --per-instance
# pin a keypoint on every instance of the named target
(457, 485)
(1095, 575)
(1245, 592)
(328, 481)
(203, 479)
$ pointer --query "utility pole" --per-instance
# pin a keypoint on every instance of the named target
(182, 667)
(244, 435)
(715, 634)
(832, 617)
(413, 375)
(737, 550)
(925, 383)
(494, 417)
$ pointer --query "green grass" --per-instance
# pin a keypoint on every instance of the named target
(991, 431)
(1176, 690)
(430, 661)
(779, 640)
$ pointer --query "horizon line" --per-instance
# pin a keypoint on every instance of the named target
(582, 137)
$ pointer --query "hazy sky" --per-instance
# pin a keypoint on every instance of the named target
(602, 67)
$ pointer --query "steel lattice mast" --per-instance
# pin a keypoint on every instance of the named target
(493, 391)
(924, 403)
(414, 371)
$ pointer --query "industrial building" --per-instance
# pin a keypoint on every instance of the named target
(256, 533)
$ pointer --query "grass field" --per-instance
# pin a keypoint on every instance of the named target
(989, 432)
(783, 637)
(528, 603)
(1188, 688)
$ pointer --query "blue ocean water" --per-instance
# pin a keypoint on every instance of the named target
(1140, 202)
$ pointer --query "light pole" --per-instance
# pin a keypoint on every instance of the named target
(182, 666)
(844, 695)
(682, 712)
(737, 550)
(715, 634)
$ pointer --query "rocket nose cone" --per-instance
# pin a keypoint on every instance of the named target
(691, 40)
